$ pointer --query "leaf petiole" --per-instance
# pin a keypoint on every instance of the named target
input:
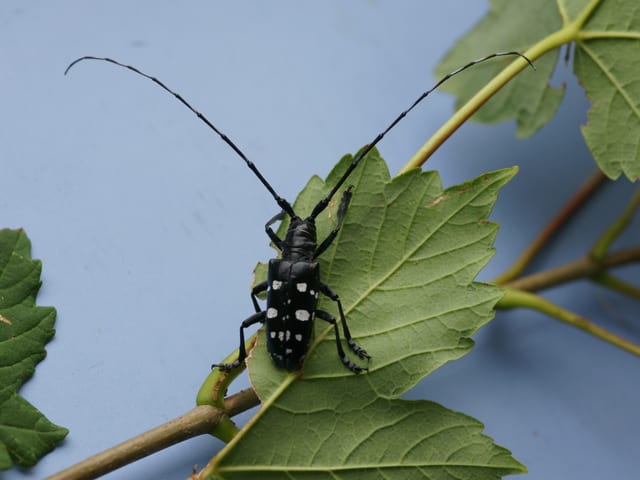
(599, 250)
(552, 228)
(517, 298)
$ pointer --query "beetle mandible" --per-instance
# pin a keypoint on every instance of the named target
(293, 282)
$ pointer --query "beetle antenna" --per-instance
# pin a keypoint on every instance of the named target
(282, 203)
(367, 148)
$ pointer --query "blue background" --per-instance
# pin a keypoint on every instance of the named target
(149, 227)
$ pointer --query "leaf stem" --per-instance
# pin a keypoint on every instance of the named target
(614, 283)
(569, 32)
(552, 228)
(586, 14)
(518, 298)
(211, 468)
(214, 389)
(609, 35)
(200, 420)
(585, 267)
(599, 250)
(463, 114)
(518, 292)
(562, 36)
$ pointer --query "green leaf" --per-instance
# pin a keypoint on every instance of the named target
(25, 434)
(300, 437)
(403, 264)
(606, 34)
(607, 64)
(509, 25)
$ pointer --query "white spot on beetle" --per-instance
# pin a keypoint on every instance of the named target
(302, 315)
(287, 351)
(272, 312)
(281, 335)
(312, 292)
(276, 284)
(299, 337)
(272, 334)
(302, 287)
(287, 335)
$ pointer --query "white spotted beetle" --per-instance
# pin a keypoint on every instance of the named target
(293, 281)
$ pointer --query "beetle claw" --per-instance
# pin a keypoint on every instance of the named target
(352, 366)
(358, 350)
(225, 367)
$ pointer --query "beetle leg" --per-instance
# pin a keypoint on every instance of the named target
(259, 288)
(252, 320)
(357, 349)
(277, 241)
(342, 209)
(327, 317)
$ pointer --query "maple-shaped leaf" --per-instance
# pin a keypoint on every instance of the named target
(606, 36)
(403, 265)
(25, 434)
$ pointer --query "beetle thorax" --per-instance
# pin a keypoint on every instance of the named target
(300, 242)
